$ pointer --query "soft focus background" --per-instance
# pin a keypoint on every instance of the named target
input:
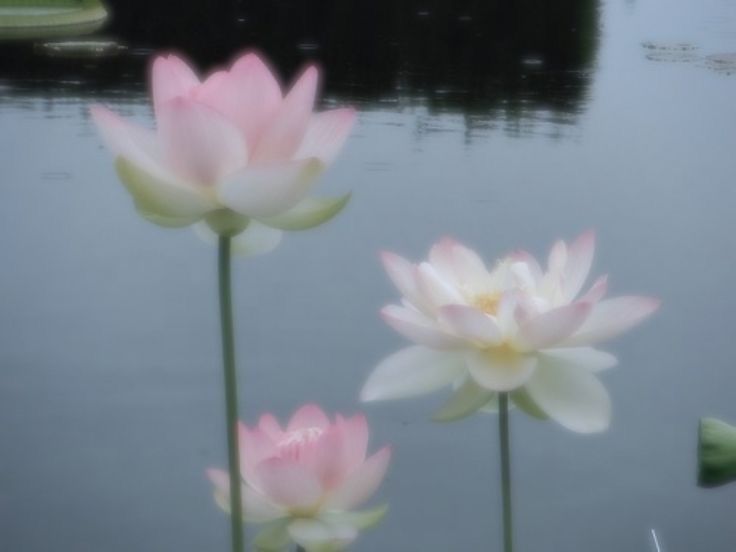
(504, 124)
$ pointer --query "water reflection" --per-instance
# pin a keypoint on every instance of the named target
(522, 66)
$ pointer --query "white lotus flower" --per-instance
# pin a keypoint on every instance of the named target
(515, 328)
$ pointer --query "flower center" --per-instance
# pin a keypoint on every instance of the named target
(487, 302)
(296, 442)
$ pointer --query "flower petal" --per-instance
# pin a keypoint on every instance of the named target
(500, 371)
(308, 213)
(571, 396)
(198, 142)
(585, 358)
(597, 291)
(288, 483)
(256, 239)
(465, 401)
(269, 425)
(418, 328)
(287, 128)
(360, 520)
(270, 190)
(326, 134)
(472, 324)
(255, 446)
(438, 289)
(403, 274)
(612, 317)
(362, 483)
(274, 537)
(171, 77)
(162, 202)
(551, 327)
(355, 438)
(579, 260)
(459, 264)
(410, 372)
(248, 94)
(256, 507)
(308, 416)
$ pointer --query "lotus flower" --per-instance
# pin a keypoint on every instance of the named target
(514, 328)
(304, 481)
(231, 151)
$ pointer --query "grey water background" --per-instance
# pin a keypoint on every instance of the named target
(110, 382)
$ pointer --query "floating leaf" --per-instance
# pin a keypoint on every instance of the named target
(716, 453)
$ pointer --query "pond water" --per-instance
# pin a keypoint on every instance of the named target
(503, 129)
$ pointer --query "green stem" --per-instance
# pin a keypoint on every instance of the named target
(503, 434)
(231, 392)
(300, 549)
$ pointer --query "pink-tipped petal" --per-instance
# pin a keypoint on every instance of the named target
(403, 275)
(137, 144)
(326, 458)
(255, 446)
(459, 264)
(612, 317)
(267, 191)
(326, 134)
(286, 130)
(579, 261)
(257, 508)
(418, 328)
(248, 94)
(471, 324)
(500, 371)
(269, 425)
(597, 291)
(308, 416)
(198, 142)
(435, 287)
(571, 396)
(289, 484)
(411, 372)
(552, 327)
(171, 77)
(528, 259)
(362, 483)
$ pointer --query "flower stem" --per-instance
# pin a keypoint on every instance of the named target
(231, 392)
(503, 434)
(300, 549)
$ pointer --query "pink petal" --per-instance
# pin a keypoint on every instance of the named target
(255, 446)
(269, 425)
(286, 130)
(362, 483)
(289, 484)
(171, 77)
(552, 327)
(249, 95)
(326, 458)
(471, 324)
(308, 416)
(137, 144)
(355, 438)
(612, 317)
(326, 135)
(269, 190)
(579, 260)
(198, 142)
(418, 328)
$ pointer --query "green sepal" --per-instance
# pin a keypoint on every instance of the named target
(526, 404)
(360, 520)
(227, 223)
(309, 213)
(716, 453)
(465, 401)
(274, 537)
(157, 201)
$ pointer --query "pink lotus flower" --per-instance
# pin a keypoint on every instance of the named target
(306, 480)
(231, 150)
(515, 328)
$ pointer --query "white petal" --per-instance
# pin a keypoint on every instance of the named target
(464, 401)
(461, 265)
(439, 290)
(269, 190)
(572, 396)
(308, 213)
(471, 323)
(256, 239)
(585, 358)
(612, 317)
(597, 291)
(579, 260)
(418, 328)
(500, 371)
(551, 327)
(410, 372)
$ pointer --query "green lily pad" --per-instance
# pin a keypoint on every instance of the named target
(34, 19)
(716, 453)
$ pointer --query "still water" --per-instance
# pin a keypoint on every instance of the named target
(110, 389)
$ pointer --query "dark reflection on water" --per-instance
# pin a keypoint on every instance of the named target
(110, 395)
(515, 61)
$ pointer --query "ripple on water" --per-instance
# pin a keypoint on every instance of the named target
(724, 62)
(670, 51)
